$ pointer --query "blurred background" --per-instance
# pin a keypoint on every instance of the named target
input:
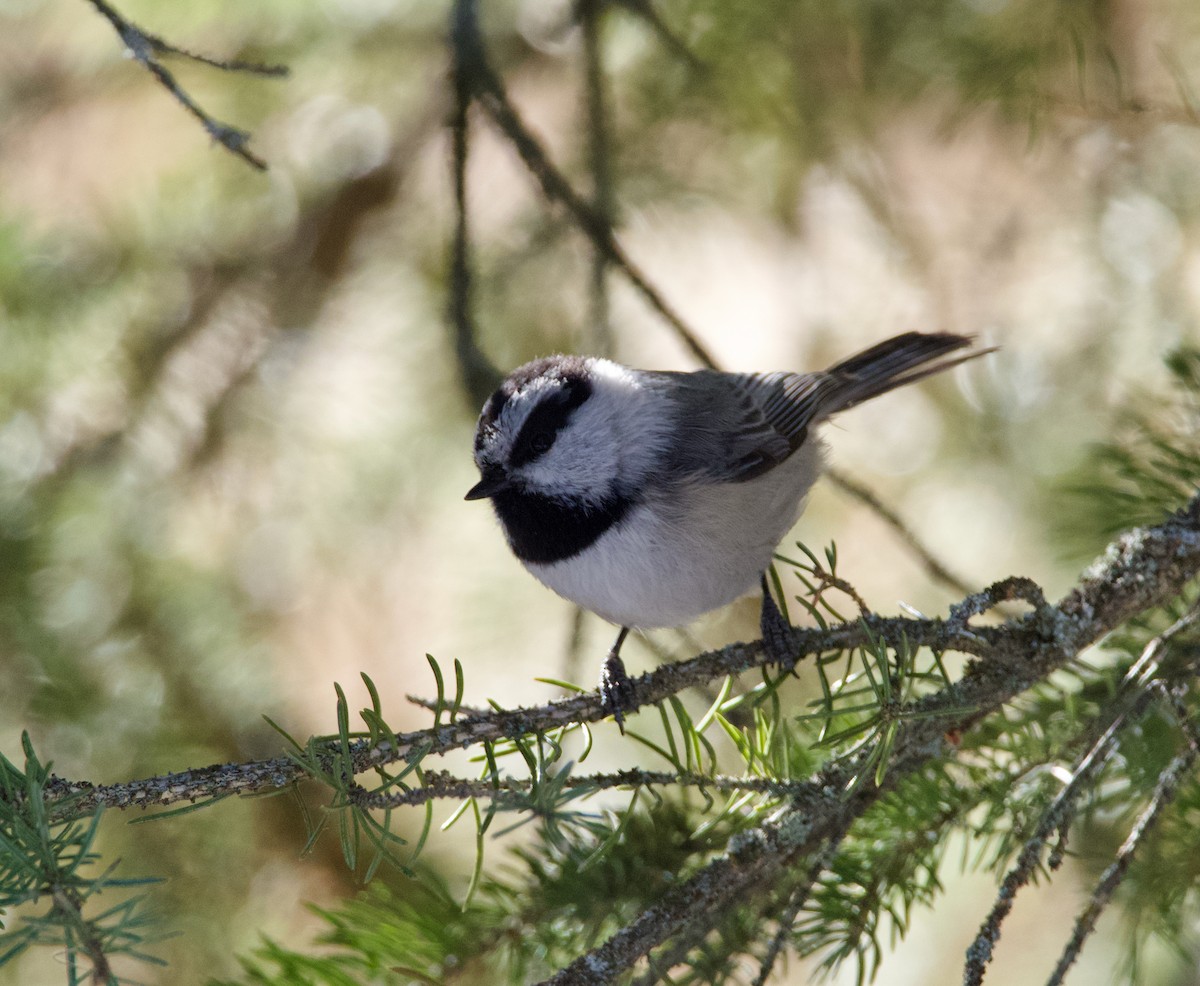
(234, 433)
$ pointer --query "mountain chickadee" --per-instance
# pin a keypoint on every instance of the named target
(652, 497)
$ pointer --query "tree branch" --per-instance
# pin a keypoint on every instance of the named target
(441, 784)
(488, 90)
(1164, 794)
(1142, 569)
(588, 13)
(146, 48)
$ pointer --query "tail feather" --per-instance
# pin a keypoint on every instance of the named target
(893, 363)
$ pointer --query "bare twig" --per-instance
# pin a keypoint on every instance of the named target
(480, 376)
(146, 49)
(644, 10)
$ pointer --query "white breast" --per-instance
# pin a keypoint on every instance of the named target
(686, 551)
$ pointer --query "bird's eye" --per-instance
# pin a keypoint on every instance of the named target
(540, 442)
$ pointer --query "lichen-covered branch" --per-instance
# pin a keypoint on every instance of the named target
(1141, 569)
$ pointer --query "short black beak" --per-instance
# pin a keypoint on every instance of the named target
(494, 481)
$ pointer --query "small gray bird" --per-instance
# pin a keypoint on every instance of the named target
(653, 497)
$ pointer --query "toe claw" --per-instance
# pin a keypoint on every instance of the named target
(776, 634)
(616, 689)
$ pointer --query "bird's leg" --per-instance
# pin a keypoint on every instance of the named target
(616, 690)
(776, 631)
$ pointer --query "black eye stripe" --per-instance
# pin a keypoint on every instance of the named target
(547, 419)
(569, 371)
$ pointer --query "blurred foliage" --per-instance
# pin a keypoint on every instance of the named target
(517, 928)
(1152, 466)
(230, 414)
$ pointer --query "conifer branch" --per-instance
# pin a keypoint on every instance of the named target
(437, 785)
(1164, 794)
(1136, 695)
(1141, 569)
(791, 911)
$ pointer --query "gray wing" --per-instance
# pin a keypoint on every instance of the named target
(732, 427)
(736, 426)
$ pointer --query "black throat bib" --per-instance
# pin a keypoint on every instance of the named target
(545, 530)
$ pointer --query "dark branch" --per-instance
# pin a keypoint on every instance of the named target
(588, 13)
(488, 90)
(480, 376)
(147, 49)
(643, 10)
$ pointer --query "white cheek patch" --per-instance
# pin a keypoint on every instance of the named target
(613, 440)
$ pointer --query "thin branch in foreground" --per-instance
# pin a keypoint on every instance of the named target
(703, 921)
(440, 784)
(146, 49)
(1055, 819)
(1140, 570)
(219, 780)
(787, 919)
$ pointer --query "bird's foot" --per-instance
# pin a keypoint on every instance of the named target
(616, 688)
(776, 634)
